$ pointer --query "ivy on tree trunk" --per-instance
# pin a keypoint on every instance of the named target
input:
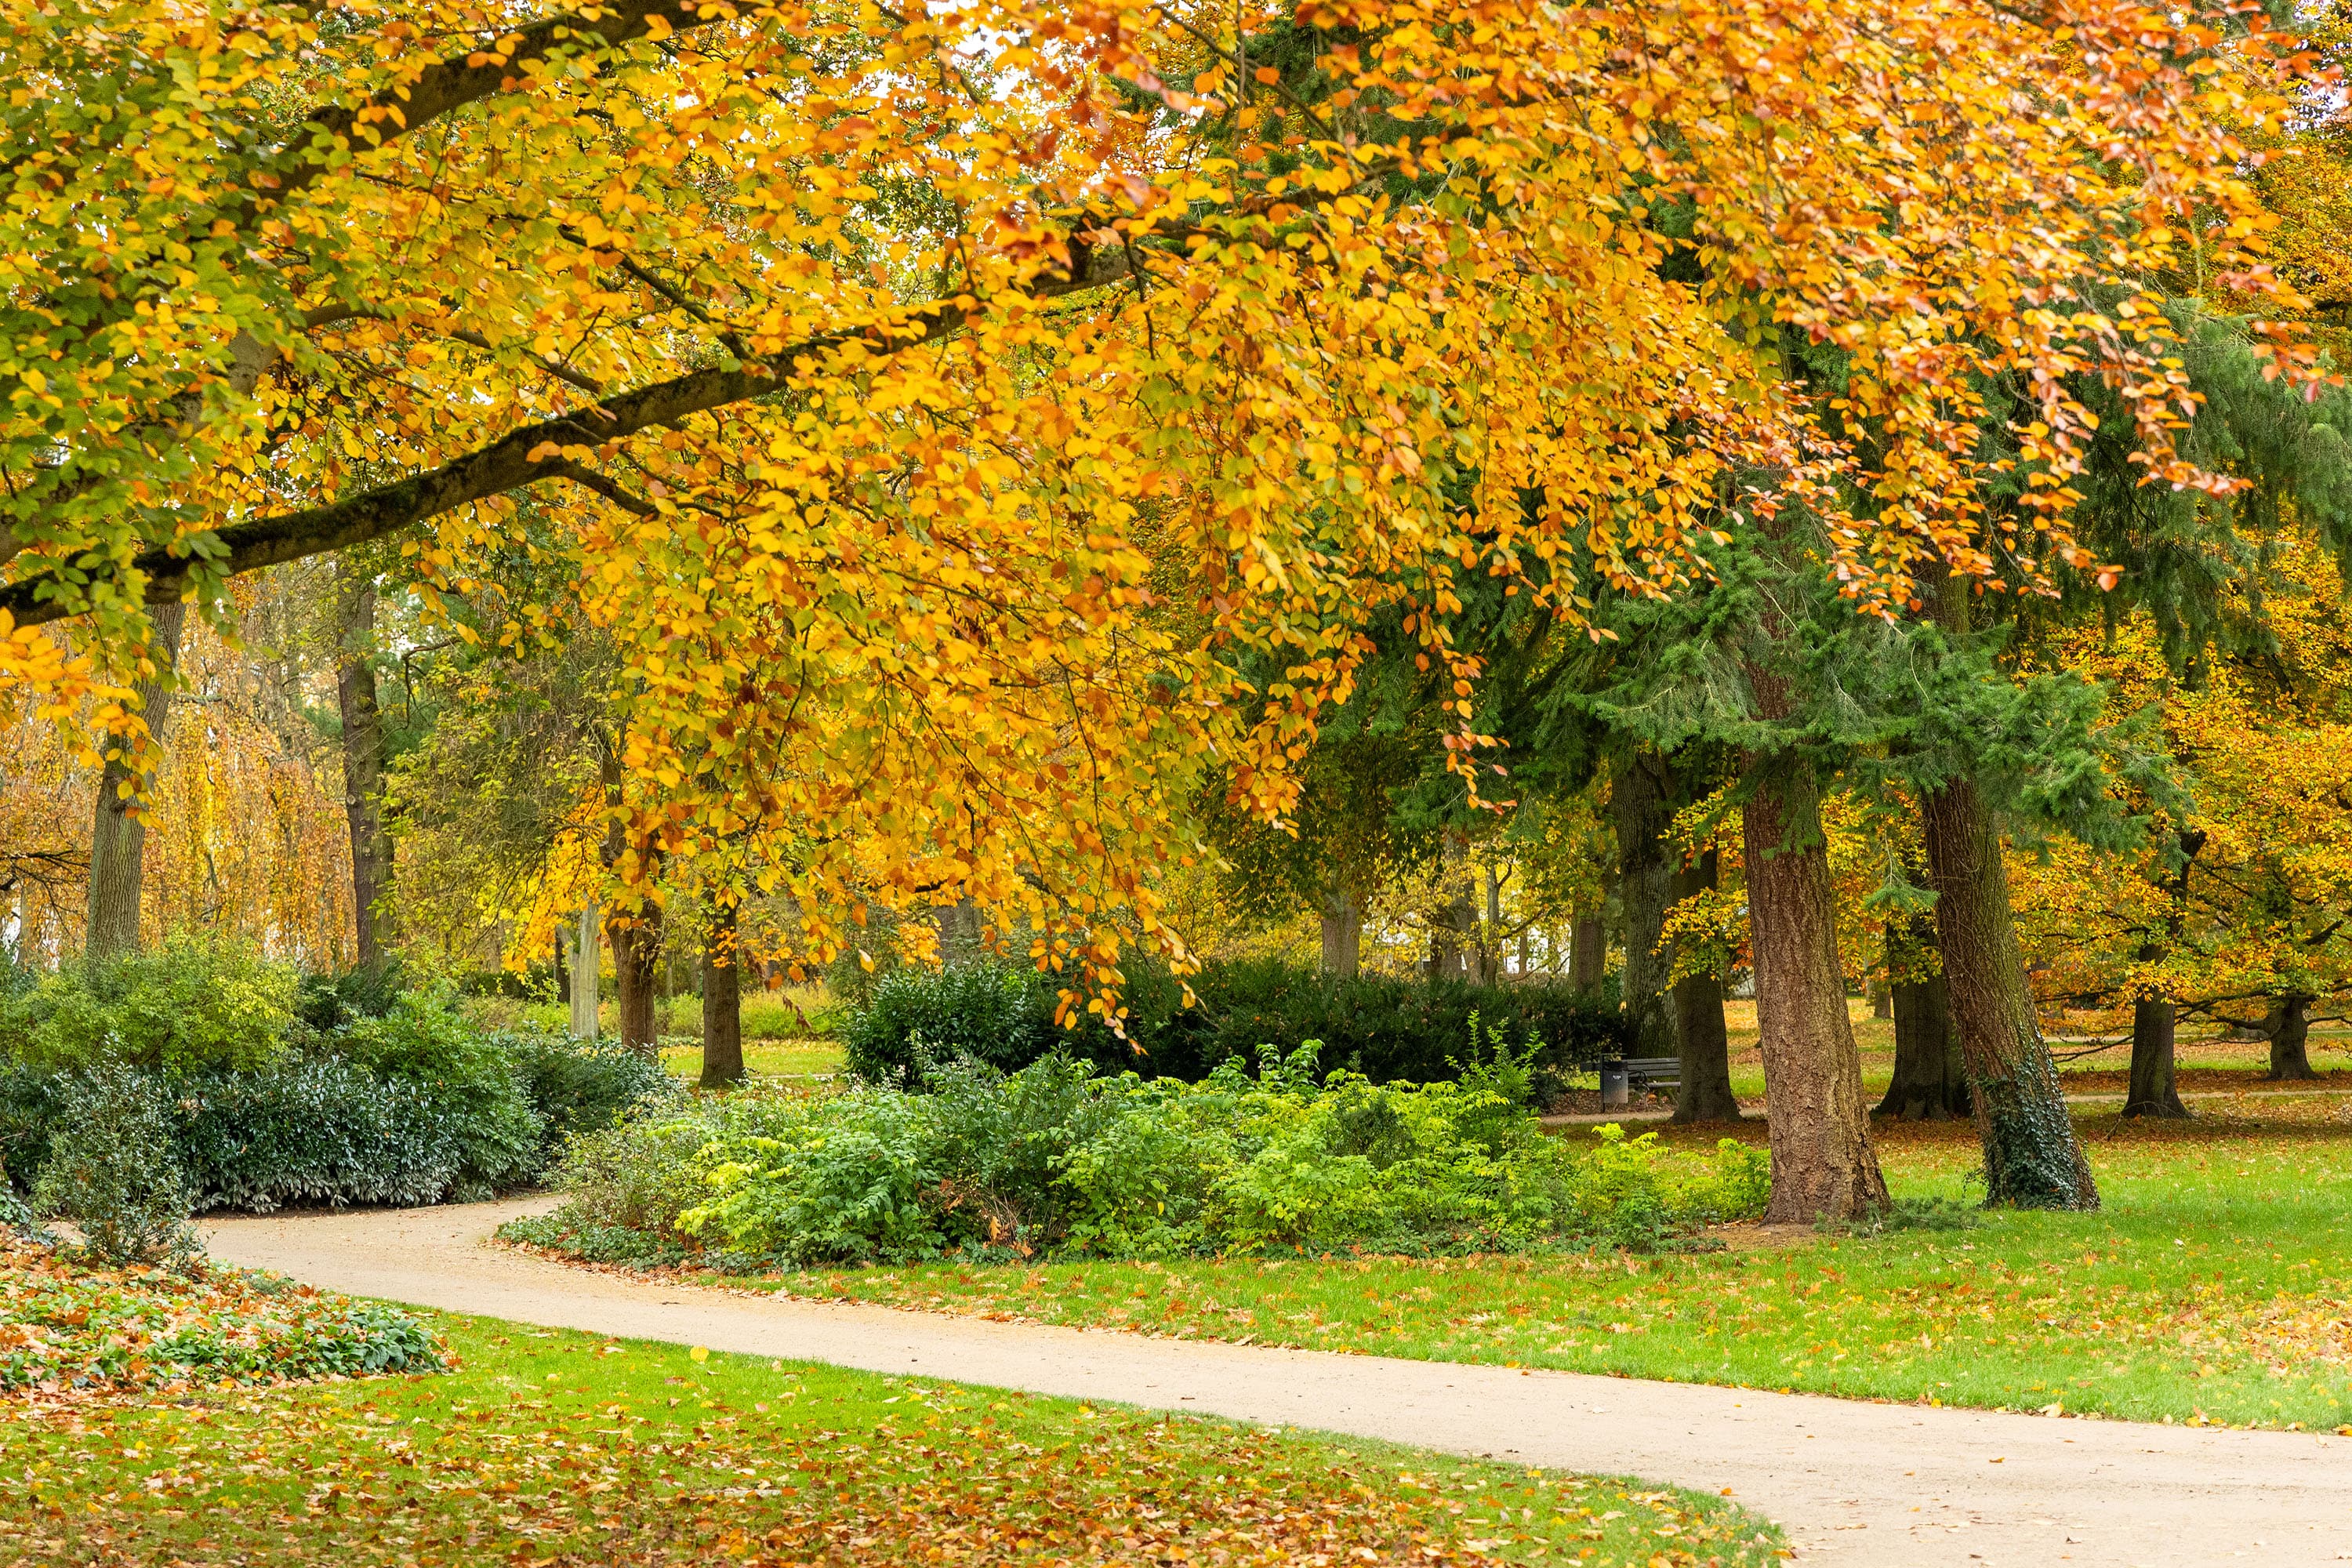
(722, 1002)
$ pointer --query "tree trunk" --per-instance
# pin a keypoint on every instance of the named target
(1703, 1043)
(1822, 1162)
(2153, 1089)
(1343, 930)
(1640, 803)
(2033, 1159)
(1931, 1081)
(2289, 1028)
(1588, 953)
(117, 842)
(636, 972)
(586, 958)
(364, 768)
(722, 1004)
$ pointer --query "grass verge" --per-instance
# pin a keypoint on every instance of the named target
(2215, 1286)
(553, 1447)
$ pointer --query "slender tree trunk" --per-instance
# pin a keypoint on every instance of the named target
(2153, 1092)
(636, 972)
(1588, 953)
(1822, 1162)
(363, 770)
(118, 843)
(586, 958)
(563, 971)
(1641, 807)
(722, 1004)
(1343, 930)
(1704, 1045)
(2033, 1159)
(2289, 1028)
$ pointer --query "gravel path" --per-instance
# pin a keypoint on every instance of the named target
(1888, 1486)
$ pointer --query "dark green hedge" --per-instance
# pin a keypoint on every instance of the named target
(1386, 1027)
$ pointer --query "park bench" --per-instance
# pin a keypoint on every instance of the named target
(1620, 1076)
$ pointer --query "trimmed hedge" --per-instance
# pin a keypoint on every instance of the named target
(1387, 1029)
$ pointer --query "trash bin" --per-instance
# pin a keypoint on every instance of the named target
(1616, 1086)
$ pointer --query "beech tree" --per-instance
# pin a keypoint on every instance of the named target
(934, 408)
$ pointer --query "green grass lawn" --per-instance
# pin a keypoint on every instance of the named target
(761, 1058)
(2215, 1286)
(549, 1448)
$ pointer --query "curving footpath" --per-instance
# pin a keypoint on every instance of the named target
(1886, 1486)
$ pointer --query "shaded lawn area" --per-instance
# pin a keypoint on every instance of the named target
(553, 1448)
(761, 1058)
(2216, 1285)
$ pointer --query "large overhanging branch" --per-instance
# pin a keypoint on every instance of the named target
(522, 457)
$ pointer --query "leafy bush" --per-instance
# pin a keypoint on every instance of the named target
(425, 1042)
(324, 1131)
(202, 1001)
(578, 1085)
(1384, 1028)
(1056, 1159)
(392, 1096)
(113, 1169)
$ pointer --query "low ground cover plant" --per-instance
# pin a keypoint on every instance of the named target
(563, 1447)
(1057, 1160)
(200, 1075)
(73, 1329)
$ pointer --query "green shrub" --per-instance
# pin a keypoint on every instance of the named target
(1385, 1027)
(326, 1002)
(578, 1085)
(325, 1131)
(113, 1169)
(426, 1041)
(202, 1001)
(1055, 1159)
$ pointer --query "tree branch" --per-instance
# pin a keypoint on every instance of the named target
(507, 463)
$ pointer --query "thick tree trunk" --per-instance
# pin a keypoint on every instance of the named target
(722, 1004)
(1641, 807)
(364, 768)
(636, 972)
(1822, 1162)
(1588, 953)
(1343, 930)
(587, 956)
(2153, 1089)
(2033, 1159)
(1931, 1081)
(1699, 1034)
(117, 842)
(2289, 1028)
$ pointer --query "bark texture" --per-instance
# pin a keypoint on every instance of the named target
(2033, 1159)
(363, 770)
(636, 972)
(1822, 1162)
(2289, 1028)
(1588, 953)
(1640, 809)
(1930, 1081)
(1699, 1036)
(1343, 930)
(722, 1004)
(2153, 1092)
(118, 841)
(587, 958)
